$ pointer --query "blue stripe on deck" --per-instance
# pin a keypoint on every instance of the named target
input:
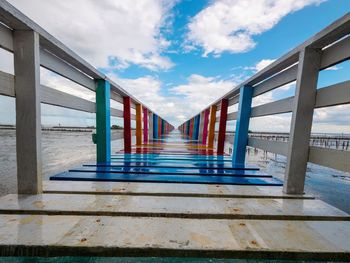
(166, 163)
(193, 165)
(172, 171)
(150, 178)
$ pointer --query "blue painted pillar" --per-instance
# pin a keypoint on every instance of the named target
(163, 127)
(242, 125)
(155, 126)
(196, 127)
(188, 127)
(103, 122)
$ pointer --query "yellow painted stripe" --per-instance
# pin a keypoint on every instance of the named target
(211, 134)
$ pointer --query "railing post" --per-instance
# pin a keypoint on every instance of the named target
(222, 126)
(163, 126)
(201, 124)
(205, 126)
(103, 121)
(196, 127)
(127, 124)
(159, 127)
(155, 126)
(191, 129)
(242, 125)
(188, 127)
(28, 113)
(138, 124)
(300, 130)
(211, 135)
(145, 125)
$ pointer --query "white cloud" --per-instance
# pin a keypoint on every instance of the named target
(334, 68)
(107, 32)
(230, 25)
(260, 65)
(182, 101)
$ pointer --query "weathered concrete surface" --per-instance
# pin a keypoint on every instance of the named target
(91, 235)
(153, 206)
(156, 189)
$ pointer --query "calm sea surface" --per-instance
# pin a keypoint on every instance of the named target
(64, 150)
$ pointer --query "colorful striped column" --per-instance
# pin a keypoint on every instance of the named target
(188, 126)
(138, 124)
(159, 127)
(155, 126)
(163, 126)
(191, 129)
(242, 125)
(196, 127)
(211, 135)
(222, 126)
(103, 122)
(145, 125)
(205, 126)
(127, 124)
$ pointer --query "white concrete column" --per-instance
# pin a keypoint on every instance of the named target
(28, 112)
(300, 130)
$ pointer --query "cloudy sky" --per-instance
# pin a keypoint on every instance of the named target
(178, 56)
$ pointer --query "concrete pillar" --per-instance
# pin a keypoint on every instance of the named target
(145, 125)
(300, 130)
(28, 112)
(222, 126)
(201, 124)
(103, 121)
(150, 126)
(196, 127)
(242, 125)
(205, 126)
(211, 135)
(138, 124)
(127, 124)
(155, 126)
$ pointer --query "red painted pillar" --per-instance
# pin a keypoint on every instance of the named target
(145, 125)
(127, 124)
(222, 126)
(205, 126)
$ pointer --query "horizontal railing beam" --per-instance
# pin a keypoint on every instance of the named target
(277, 147)
(58, 98)
(275, 107)
(60, 67)
(6, 38)
(284, 77)
(7, 82)
(333, 95)
(336, 53)
(330, 157)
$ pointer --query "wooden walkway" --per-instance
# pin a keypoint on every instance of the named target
(239, 212)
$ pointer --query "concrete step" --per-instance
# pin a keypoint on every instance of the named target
(176, 207)
(169, 189)
(41, 235)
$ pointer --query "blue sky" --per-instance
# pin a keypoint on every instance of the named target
(179, 56)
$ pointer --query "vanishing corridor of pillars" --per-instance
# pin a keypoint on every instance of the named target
(208, 128)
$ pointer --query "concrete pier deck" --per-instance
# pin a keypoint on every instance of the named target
(77, 218)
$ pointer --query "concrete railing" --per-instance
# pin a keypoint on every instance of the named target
(34, 48)
(327, 48)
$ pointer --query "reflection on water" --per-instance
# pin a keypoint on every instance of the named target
(329, 185)
(60, 151)
(64, 150)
